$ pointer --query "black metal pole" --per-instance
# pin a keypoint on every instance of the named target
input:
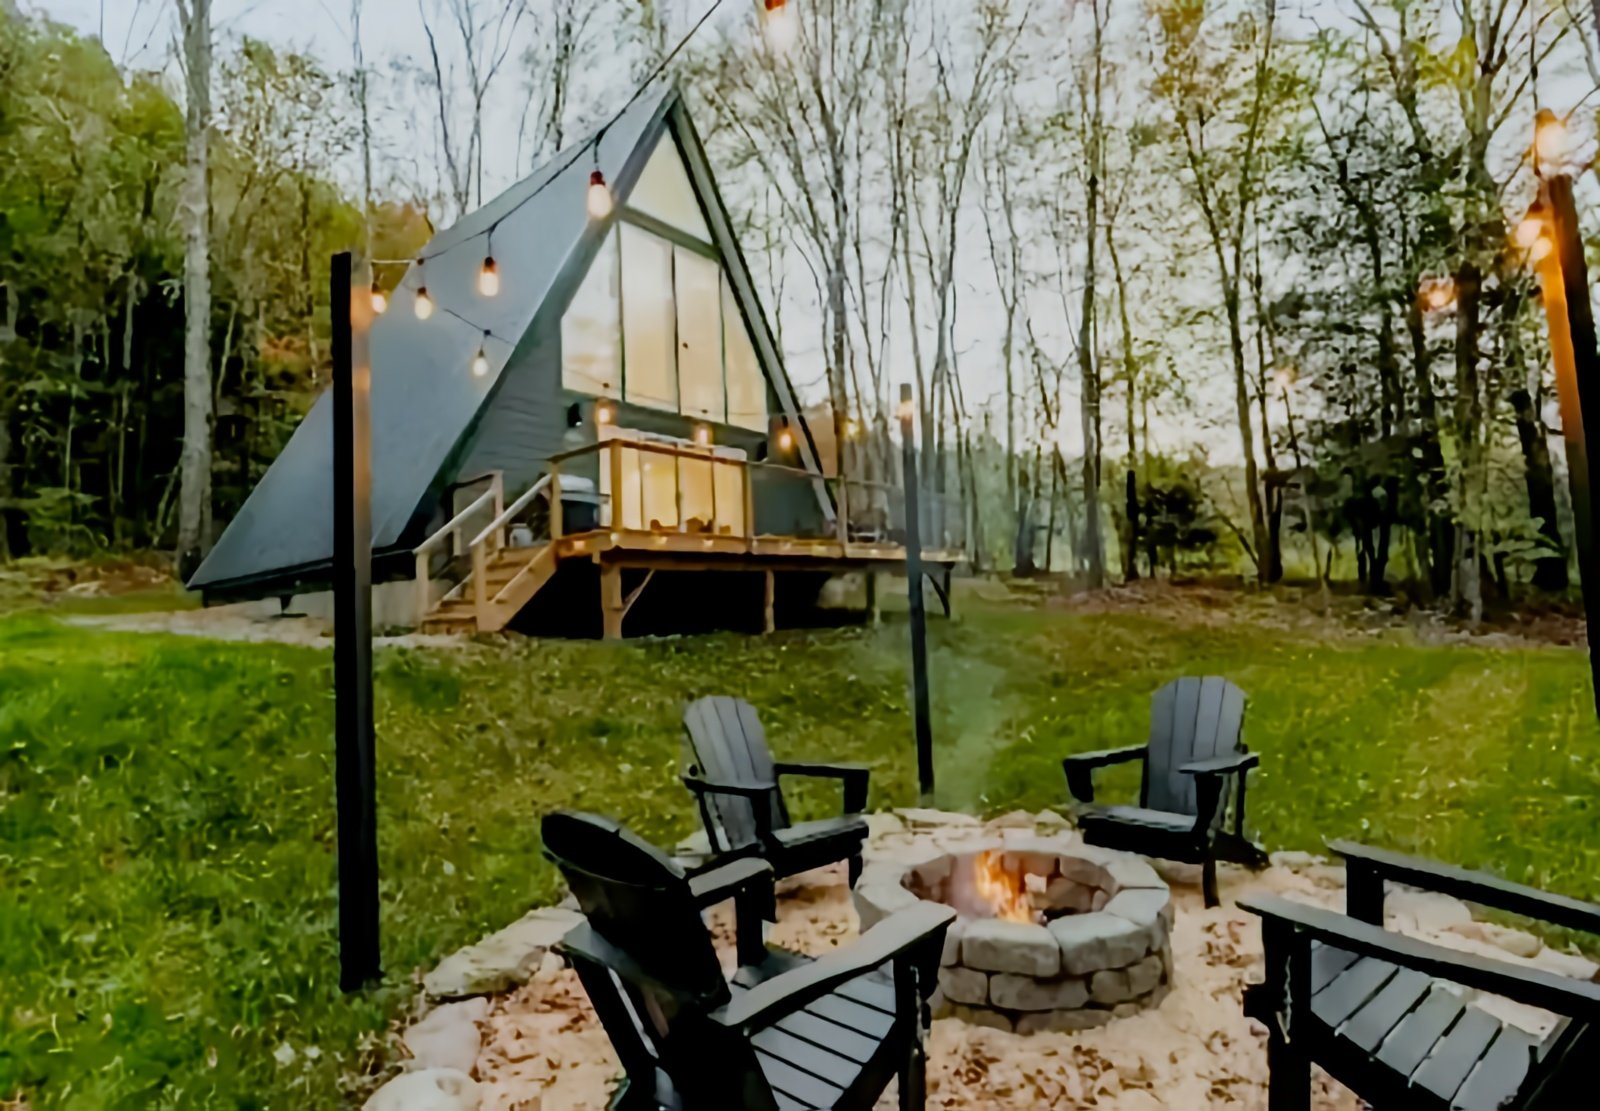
(355, 783)
(1565, 280)
(919, 614)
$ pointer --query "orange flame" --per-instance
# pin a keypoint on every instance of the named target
(1005, 894)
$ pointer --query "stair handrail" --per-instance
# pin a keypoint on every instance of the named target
(516, 507)
(480, 548)
(493, 496)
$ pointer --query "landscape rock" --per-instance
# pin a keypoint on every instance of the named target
(999, 946)
(1016, 819)
(426, 1090)
(1048, 821)
(503, 959)
(1023, 993)
(1070, 895)
(1330, 876)
(964, 985)
(1516, 942)
(1062, 1022)
(921, 818)
(1424, 911)
(1092, 942)
(1087, 864)
(447, 1037)
(883, 824)
(981, 1016)
(1294, 860)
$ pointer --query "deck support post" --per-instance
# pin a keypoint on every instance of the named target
(613, 607)
(769, 597)
(874, 611)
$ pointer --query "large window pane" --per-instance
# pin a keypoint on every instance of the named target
(649, 326)
(699, 336)
(747, 386)
(665, 192)
(591, 339)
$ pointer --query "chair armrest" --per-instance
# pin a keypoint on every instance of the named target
(700, 786)
(1578, 999)
(729, 880)
(1080, 768)
(1368, 867)
(921, 925)
(854, 777)
(1223, 765)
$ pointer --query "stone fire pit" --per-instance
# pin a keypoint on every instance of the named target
(1092, 942)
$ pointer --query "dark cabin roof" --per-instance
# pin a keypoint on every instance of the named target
(423, 400)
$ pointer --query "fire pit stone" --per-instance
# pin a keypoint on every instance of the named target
(1053, 934)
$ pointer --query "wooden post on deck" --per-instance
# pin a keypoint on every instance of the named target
(354, 776)
(769, 598)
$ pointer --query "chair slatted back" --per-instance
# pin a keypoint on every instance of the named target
(656, 1012)
(728, 745)
(1190, 719)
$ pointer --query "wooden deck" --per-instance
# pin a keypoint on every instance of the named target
(700, 534)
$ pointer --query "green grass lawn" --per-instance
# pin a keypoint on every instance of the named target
(166, 820)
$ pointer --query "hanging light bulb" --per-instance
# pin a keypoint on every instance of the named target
(603, 413)
(599, 198)
(423, 305)
(489, 278)
(851, 428)
(379, 300)
(785, 438)
(1530, 229)
(480, 361)
(1549, 136)
(780, 25)
(702, 434)
(1541, 248)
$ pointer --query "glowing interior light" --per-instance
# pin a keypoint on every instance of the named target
(702, 434)
(785, 440)
(603, 413)
(1541, 248)
(1529, 231)
(489, 278)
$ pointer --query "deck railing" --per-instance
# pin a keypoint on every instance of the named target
(672, 488)
(439, 552)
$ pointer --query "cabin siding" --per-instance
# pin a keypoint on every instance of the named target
(524, 424)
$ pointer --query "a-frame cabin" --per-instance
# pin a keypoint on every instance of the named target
(630, 419)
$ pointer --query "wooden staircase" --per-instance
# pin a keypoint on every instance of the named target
(510, 579)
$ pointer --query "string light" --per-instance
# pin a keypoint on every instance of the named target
(780, 26)
(851, 428)
(702, 434)
(1541, 248)
(1531, 228)
(599, 198)
(1438, 294)
(489, 277)
(785, 438)
(1549, 136)
(379, 301)
(603, 413)
(423, 305)
(480, 361)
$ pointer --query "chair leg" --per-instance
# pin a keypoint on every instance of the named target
(854, 865)
(914, 1076)
(1289, 1075)
(1208, 881)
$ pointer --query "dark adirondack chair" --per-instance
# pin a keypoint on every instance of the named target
(735, 782)
(783, 1034)
(1371, 1007)
(1193, 761)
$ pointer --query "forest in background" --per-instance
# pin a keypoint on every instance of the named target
(1183, 284)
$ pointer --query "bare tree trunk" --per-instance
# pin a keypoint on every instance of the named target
(194, 504)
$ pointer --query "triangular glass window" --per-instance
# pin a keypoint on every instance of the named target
(665, 191)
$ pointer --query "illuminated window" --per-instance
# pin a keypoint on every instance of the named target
(747, 386)
(591, 336)
(649, 325)
(665, 192)
(699, 336)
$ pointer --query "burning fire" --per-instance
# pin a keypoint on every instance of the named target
(1004, 895)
